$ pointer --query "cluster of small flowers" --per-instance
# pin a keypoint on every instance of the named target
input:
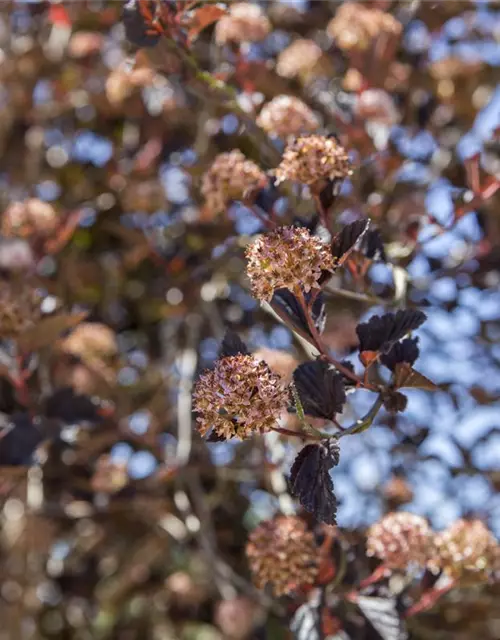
(310, 160)
(231, 177)
(245, 22)
(289, 258)
(465, 550)
(283, 553)
(287, 116)
(239, 397)
(298, 59)
(356, 26)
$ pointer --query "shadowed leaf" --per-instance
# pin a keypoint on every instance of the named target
(320, 388)
(406, 377)
(311, 482)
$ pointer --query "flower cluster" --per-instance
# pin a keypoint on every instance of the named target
(239, 397)
(313, 159)
(230, 177)
(288, 258)
(298, 58)
(245, 22)
(287, 116)
(356, 26)
(283, 553)
(399, 539)
(31, 217)
(466, 550)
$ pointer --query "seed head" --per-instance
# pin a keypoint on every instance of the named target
(239, 397)
(19, 309)
(355, 26)
(231, 177)
(399, 539)
(466, 549)
(312, 160)
(245, 22)
(28, 218)
(288, 258)
(287, 116)
(282, 552)
(298, 58)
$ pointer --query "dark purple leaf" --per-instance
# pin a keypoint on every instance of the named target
(311, 482)
(232, 345)
(372, 246)
(18, 440)
(139, 29)
(321, 389)
(381, 332)
(405, 351)
(70, 407)
(285, 302)
(345, 241)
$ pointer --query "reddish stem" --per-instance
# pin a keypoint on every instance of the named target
(428, 600)
(318, 343)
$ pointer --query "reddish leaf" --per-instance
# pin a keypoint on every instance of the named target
(407, 377)
(48, 330)
(202, 18)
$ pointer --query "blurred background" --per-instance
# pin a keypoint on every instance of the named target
(127, 525)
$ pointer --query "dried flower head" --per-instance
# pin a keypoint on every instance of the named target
(399, 539)
(283, 553)
(287, 116)
(465, 550)
(312, 160)
(92, 342)
(287, 258)
(298, 58)
(356, 26)
(31, 217)
(19, 308)
(245, 22)
(110, 476)
(231, 177)
(239, 397)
